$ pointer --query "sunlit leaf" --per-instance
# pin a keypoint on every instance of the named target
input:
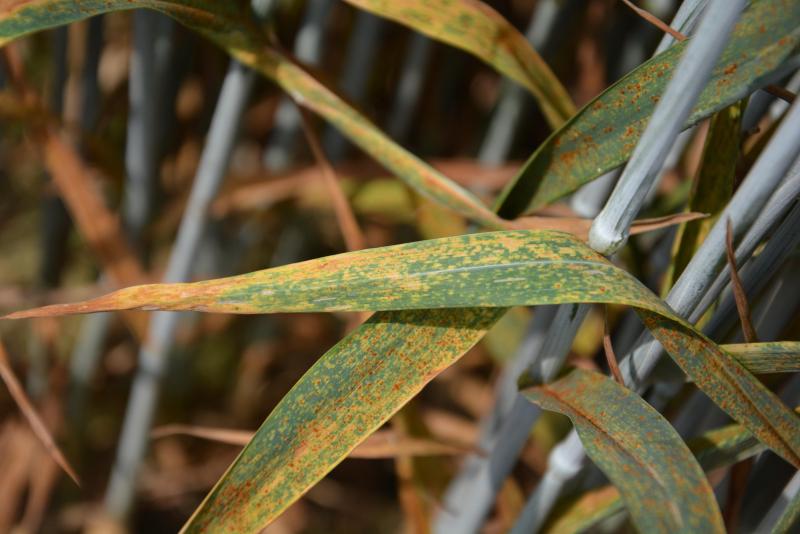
(661, 483)
(480, 30)
(370, 374)
(603, 133)
(350, 392)
(17, 392)
(522, 268)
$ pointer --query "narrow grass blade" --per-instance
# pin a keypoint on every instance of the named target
(664, 488)
(604, 132)
(389, 356)
(477, 28)
(379, 445)
(17, 393)
(712, 187)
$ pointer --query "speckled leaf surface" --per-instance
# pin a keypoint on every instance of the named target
(353, 389)
(495, 269)
(477, 28)
(717, 448)
(663, 486)
(601, 136)
(770, 357)
(230, 26)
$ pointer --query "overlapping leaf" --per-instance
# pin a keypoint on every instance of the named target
(770, 357)
(712, 187)
(604, 132)
(477, 28)
(717, 448)
(662, 484)
(370, 374)
(229, 25)
(387, 360)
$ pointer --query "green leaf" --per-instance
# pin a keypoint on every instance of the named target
(661, 483)
(353, 389)
(602, 135)
(396, 350)
(771, 357)
(717, 448)
(474, 26)
(712, 187)
(522, 268)
(230, 26)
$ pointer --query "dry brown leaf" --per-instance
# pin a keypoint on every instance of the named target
(580, 227)
(351, 232)
(264, 191)
(26, 407)
(608, 348)
(98, 226)
(739, 295)
(382, 444)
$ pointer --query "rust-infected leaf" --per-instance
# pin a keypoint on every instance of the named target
(770, 357)
(602, 135)
(370, 374)
(350, 392)
(661, 483)
(717, 448)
